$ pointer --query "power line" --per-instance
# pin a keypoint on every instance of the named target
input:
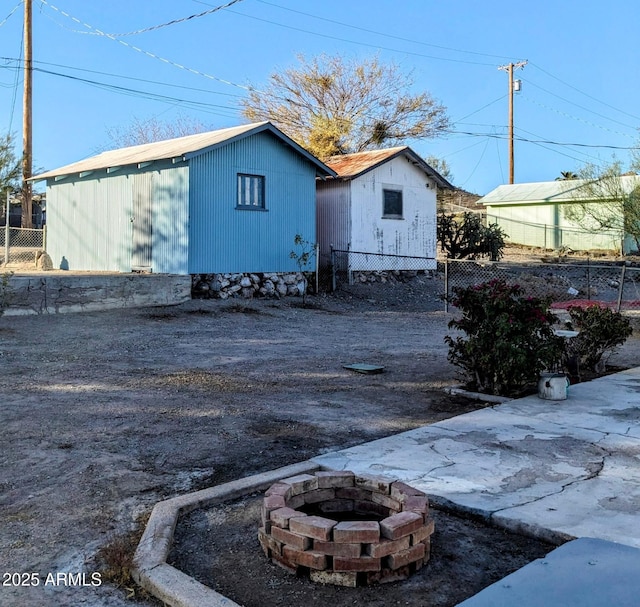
(13, 10)
(370, 31)
(578, 105)
(138, 93)
(585, 94)
(376, 46)
(561, 113)
(147, 53)
(162, 25)
(102, 73)
(558, 143)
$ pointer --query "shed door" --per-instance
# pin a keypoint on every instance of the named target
(142, 222)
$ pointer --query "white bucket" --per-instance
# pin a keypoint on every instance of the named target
(553, 386)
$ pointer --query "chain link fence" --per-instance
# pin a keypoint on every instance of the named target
(20, 245)
(352, 267)
(614, 285)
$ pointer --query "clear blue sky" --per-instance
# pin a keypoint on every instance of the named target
(580, 87)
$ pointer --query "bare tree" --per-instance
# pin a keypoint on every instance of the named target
(607, 200)
(141, 131)
(332, 105)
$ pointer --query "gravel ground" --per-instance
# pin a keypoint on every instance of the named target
(103, 414)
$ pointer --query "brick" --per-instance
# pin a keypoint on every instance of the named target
(305, 558)
(333, 480)
(400, 559)
(279, 560)
(423, 533)
(336, 549)
(369, 507)
(279, 489)
(427, 549)
(299, 542)
(270, 503)
(379, 484)
(386, 576)
(281, 516)
(349, 532)
(317, 527)
(295, 501)
(362, 563)
(416, 503)
(401, 490)
(319, 495)
(386, 547)
(333, 577)
(400, 524)
(353, 493)
(336, 506)
(301, 483)
(387, 501)
(269, 544)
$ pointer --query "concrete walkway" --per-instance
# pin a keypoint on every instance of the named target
(558, 470)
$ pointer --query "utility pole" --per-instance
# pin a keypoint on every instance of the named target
(509, 68)
(27, 155)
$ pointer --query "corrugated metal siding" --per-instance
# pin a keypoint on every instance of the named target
(224, 239)
(171, 220)
(415, 234)
(88, 224)
(333, 217)
(89, 220)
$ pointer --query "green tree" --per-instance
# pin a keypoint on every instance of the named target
(606, 200)
(10, 169)
(465, 236)
(440, 165)
(332, 105)
(567, 176)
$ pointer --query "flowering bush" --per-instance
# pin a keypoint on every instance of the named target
(509, 338)
(600, 331)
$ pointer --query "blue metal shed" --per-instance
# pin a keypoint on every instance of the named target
(230, 200)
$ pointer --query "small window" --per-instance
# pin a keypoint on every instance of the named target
(250, 192)
(392, 204)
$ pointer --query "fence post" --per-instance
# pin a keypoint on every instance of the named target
(446, 284)
(621, 288)
(6, 231)
(333, 269)
(317, 254)
(588, 279)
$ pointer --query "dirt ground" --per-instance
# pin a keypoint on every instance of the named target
(104, 414)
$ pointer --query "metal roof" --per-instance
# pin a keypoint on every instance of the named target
(547, 191)
(181, 148)
(350, 166)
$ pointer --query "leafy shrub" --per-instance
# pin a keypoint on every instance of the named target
(509, 338)
(467, 237)
(6, 292)
(600, 331)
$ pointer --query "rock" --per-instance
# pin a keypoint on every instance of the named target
(247, 293)
(216, 286)
(268, 286)
(290, 279)
(43, 261)
(245, 282)
(281, 288)
(302, 287)
(234, 289)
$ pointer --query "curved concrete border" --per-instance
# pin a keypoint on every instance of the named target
(150, 569)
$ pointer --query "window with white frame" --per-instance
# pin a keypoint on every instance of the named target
(392, 204)
(250, 192)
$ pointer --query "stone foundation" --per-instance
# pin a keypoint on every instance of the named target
(384, 276)
(223, 286)
(346, 529)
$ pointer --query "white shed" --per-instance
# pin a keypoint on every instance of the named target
(382, 202)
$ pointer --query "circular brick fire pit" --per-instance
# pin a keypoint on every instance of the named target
(346, 529)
